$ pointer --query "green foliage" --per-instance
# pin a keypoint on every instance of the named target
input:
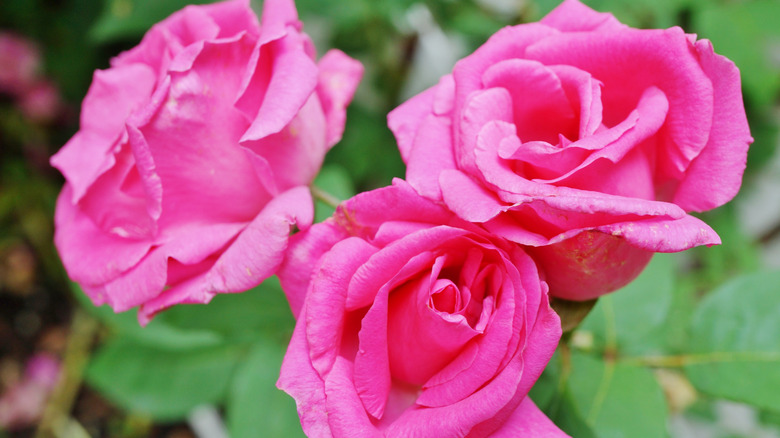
(238, 318)
(634, 316)
(735, 341)
(334, 180)
(228, 351)
(162, 383)
(726, 339)
(254, 403)
(747, 33)
(617, 400)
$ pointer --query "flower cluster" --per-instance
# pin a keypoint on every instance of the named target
(554, 161)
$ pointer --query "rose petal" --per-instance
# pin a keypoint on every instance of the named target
(715, 176)
(90, 255)
(91, 151)
(528, 420)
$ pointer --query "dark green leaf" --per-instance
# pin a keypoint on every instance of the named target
(735, 341)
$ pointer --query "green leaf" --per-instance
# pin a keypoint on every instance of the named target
(617, 400)
(161, 383)
(334, 180)
(254, 403)
(125, 19)
(157, 333)
(735, 341)
(238, 317)
(631, 316)
(734, 27)
(554, 399)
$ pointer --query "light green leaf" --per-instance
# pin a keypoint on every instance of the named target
(747, 33)
(631, 316)
(161, 383)
(735, 341)
(255, 404)
(617, 400)
(334, 180)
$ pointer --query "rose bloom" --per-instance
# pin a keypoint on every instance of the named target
(585, 139)
(193, 157)
(413, 322)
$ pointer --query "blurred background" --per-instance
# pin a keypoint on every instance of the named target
(68, 369)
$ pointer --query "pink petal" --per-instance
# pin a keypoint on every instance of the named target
(90, 255)
(304, 251)
(371, 375)
(481, 108)
(233, 17)
(294, 155)
(258, 251)
(277, 16)
(140, 284)
(367, 211)
(715, 175)
(430, 155)
(328, 296)
(468, 199)
(629, 62)
(205, 174)
(541, 109)
(283, 79)
(528, 420)
(346, 415)
(90, 152)
(590, 264)
(405, 120)
(299, 379)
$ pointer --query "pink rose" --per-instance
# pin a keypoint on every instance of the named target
(585, 139)
(414, 323)
(194, 154)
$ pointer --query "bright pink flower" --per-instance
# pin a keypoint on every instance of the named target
(584, 138)
(194, 154)
(412, 322)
